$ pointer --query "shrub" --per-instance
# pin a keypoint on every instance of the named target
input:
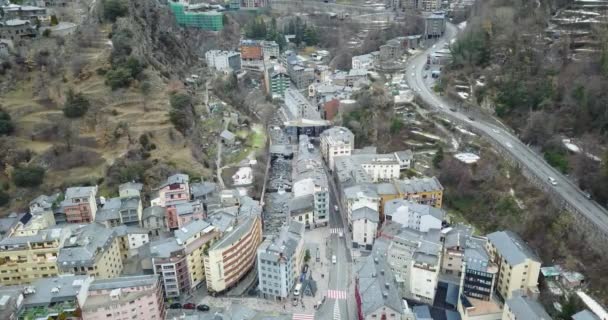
(76, 105)
(118, 78)
(180, 101)
(29, 176)
(114, 9)
(46, 33)
(54, 20)
(4, 198)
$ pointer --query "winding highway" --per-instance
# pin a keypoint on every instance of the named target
(568, 191)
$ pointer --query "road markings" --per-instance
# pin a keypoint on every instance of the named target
(336, 294)
(302, 316)
(336, 230)
(337, 315)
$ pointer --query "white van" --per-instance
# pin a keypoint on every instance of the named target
(552, 181)
(296, 291)
(333, 259)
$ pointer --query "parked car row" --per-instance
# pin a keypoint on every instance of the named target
(189, 306)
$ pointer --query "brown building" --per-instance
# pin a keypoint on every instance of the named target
(251, 50)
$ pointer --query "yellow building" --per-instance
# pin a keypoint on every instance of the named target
(231, 257)
(26, 258)
(427, 191)
(518, 265)
(91, 250)
(195, 237)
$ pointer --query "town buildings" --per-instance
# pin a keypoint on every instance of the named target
(335, 142)
(413, 215)
(26, 258)
(365, 61)
(279, 261)
(233, 256)
(197, 16)
(30, 13)
(454, 244)
(176, 189)
(80, 205)
(125, 209)
(223, 61)
(518, 265)
(180, 214)
(434, 24)
(276, 80)
(359, 196)
(153, 220)
(93, 250)
(523, 307)
(128, 297)
(365, 222)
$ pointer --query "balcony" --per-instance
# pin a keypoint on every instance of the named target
(52, 310)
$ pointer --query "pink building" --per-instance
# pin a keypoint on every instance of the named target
(180, 214)
(175, 190)
(80, 205)
(125, 298)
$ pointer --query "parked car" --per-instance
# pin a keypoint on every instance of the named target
(202, 307)
(552, 181)
(175, 306)
(189, 306)
(333, 259)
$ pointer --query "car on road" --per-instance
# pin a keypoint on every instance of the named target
(189, 306)
(552, 181)
(202, 307)
(341, 234)
(175, 306)
(336, 208)
(333, 259)
(587, 195)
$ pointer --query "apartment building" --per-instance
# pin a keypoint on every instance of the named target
(426, 191)
(223, 61)
(335, 142)
(376, 292)
(367, 166)
(301, 209)
(415, 258)
(413, 215)
(26, 258)
(454, 243)
(30, 13)
(523, 307)
(434, 24)
(91, 250)
(279, 261)
(80, 205)
(310, 179)
(117, 211)
(130, 239)
(51, 297)
(518, 265)
(169, 261)
(180, 214)
(365, 227)
(233, 256)
(125, 298)
(476, 296)
(154, 220)
(196, 237)
(359, 196)
(175, 189)
(365, 61)
(277, 81)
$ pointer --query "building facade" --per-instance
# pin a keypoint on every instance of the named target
(176, 189)
(223, 61)
(365, 227)
(335, 142)
(80, 205)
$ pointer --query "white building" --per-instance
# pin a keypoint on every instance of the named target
(301, 209)
(359, 196)
(415, 258)
(365, 61)
(224, 61)
(365, 227)
(270, 50)
(412, 215)
(243, 176)
(335, 142)
(279, 261)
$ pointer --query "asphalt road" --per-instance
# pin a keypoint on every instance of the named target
(569, 192)
(341, 271)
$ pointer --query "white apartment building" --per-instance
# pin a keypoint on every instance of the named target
(365, 227)
(359, 196)
(224, 61)
(279, 261)
(365, 61)
(336, 142)
(412, 215)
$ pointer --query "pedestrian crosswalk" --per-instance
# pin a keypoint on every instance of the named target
(336, 230)
(336, 294)
(302, 316)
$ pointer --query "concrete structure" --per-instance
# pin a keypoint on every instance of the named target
(126, 209)
(359, 196)
(80, 205)
(233, 256)
(454, 243)
(91, 250)
(298, 107)
(434, 24)
(335, 142)
(180, 214)
(24, 259)
(154, 220)
(518, 265)
(129, 297)
(365, 61)
(176, 189)
(310, 178)
(376, 291)
(413, 215)
(197, 16)
(130, 238)
(256, 54)
(280, 260)
(17, 29)
(365, 222)
(223, 61)
(270, 50)
(415, 259)
(522, 307)
(51, 297)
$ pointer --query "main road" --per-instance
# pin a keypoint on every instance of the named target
(491, 128)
